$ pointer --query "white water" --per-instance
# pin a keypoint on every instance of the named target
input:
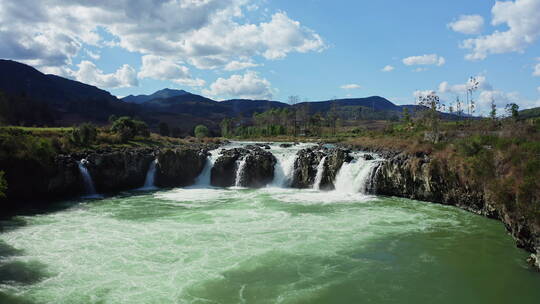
(90, 189)
(240, 172)
(354, 177)
(318, 177)
(149, 182)
(284, 169)
(203, 180)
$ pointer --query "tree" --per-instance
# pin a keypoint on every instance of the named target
(493, 112)
(201, 131)
(3, 185)
(406, 116)
(84, 134)
(112, 118)
(226, 127)
(128, 128)
(513, 111)
(472, 86)
(163, 129)
(432, 102)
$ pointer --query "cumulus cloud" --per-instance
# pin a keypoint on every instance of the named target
(432, 59)
(88, 73)
(388, 68)
(468, 24)
(164, 69)
(351, 86)
(536, 70)
(461, 88)
(207, 34)
(522, 18)
(240, 65)
(249, 86)
(501, 99)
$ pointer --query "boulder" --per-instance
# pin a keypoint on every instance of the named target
(334, 160)
(258, 169)
(179, 167)
(305, 167)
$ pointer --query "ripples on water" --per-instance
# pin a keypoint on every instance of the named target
(273, 245)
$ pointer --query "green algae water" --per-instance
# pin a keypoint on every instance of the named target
(274, 245)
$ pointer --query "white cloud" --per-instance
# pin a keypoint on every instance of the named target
(431, 59)
(240, 65)
(351, 86)
(522, 17)
(538, 89)
(249, 86)
(468, 24)
(501, 99)
(205, 33)
(93, 55)
(459, 89)
(164, 69)
(536, 71)
(88, 73)
(388, 68)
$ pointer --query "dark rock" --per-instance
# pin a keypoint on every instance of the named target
(223, 172)
(305, 167)
(368, 157)
(179, 167)
(258, 169)
(286, 145)
(120, 170)
(334, 160)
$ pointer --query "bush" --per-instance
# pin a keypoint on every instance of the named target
(84, 134)
(163, 129)
(127, 128)
(201, 131)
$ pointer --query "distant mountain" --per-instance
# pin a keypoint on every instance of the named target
(30, 97)
(165, 93)
(530, 113)
(65, 99)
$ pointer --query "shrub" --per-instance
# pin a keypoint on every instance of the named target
(3, 185)
(84, 134)
(163, 129)
(127, 128)
(201, 131)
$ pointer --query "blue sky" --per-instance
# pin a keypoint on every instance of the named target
(272, 49)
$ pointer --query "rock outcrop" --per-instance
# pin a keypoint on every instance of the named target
(179, 167)
(258, 169)
(308, 160)
(119, 170)
(421, 178)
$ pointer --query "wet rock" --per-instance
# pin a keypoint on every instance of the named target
(334, 160)
(305, 167)
(286, 145)
(258, 170)
(179, 167)
(367, 157)
(119, 170)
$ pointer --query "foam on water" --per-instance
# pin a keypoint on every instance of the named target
(227, 246)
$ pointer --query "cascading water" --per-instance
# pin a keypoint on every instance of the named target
(319, 176)
(204, 178)
(90, 189)
(353, 177)
(240, 172)
(283, 171)
(150, 177)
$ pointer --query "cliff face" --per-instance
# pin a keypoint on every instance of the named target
(179, 167)
(422, 178)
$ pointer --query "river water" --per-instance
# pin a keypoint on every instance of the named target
(273, 245)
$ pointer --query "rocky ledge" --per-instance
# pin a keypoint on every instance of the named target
(257, 169)
(308, 160)
(421, 178)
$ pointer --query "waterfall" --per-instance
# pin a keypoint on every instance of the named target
(319, 176)
(355, 176)
(240, 172)
(203, 180)
(284, 169)
(90, 189)
(150, 176)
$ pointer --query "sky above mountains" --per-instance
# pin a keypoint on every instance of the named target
(271, 49)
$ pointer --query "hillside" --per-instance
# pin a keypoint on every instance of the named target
(32, 98)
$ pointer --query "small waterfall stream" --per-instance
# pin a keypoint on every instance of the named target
(203, 180)
(354, 177)
(240, 172)
(284, 169)
(90, 189)
(319, 176)
(149, 182)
